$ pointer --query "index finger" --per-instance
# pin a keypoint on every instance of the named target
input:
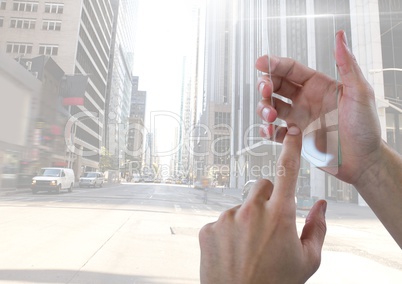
(285, 68)
(288, 166)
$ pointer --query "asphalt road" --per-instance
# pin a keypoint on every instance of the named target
(148, 233)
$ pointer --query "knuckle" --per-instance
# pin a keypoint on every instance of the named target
(247, 210)
(227, 216)
(205, 234)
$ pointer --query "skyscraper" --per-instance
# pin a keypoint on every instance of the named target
(77, 35)
(213, 147)
(119, 88)
(136, 132)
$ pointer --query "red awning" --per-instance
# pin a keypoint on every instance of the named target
(73, 101)
(56, 130)
(60, 164)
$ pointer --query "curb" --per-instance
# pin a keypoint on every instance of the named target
(8, 192)
(14, 191)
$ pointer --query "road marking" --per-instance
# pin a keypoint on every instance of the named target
(177, 207)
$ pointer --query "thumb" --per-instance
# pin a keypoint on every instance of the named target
(313, 233)
(348, 68)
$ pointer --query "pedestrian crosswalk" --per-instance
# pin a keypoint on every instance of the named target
(197, 209)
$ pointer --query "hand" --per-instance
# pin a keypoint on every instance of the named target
(257, 242)
(313, 95)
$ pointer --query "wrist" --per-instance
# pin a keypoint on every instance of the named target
(373, 167)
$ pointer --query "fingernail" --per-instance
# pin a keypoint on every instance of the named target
(265, 114)
(324, 208)
(345, 39)
(261, 87)
(293, 130)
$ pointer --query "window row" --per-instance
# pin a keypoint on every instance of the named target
(54, 8)
(26, 6)
(222, 118)
(26, 48)
(23, 23)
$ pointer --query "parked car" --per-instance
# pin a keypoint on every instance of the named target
(53, 179)
(198, 185)
(246, 189)
(94, 179)
(137, 178)
(168, 181)
(149, 179)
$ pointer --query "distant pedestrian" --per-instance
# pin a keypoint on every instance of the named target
(205, 199)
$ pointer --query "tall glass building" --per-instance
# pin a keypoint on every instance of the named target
(119, 89)
(304, 30)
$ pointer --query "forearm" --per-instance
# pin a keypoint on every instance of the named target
(381, 188)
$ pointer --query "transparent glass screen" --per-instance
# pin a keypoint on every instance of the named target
(290, 37)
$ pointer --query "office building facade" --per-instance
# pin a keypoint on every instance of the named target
(136, 130)
(77, 35)
(212, 148)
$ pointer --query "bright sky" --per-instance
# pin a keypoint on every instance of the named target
(162, 31)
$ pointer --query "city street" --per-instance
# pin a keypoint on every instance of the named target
(148, 233)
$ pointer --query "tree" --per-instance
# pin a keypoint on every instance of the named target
(105, 161)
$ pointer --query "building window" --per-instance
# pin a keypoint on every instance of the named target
(51, 25)
(25, 6)
(19, 48)
(48, 49)
(54, 8)
(2, 4)
(1, 22)
(22, 23)
(222, 118)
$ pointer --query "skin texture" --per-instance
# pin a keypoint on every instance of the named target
(257, 242)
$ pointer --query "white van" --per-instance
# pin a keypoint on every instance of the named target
(89, 179)
(53, 179)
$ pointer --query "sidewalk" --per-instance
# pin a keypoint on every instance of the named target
(12, 191)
